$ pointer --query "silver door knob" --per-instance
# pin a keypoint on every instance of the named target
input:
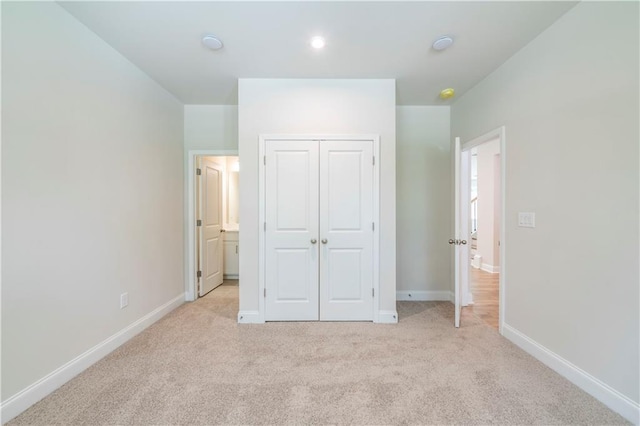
(324, 241)
(463, 242)
(452, 241)
(313, 241)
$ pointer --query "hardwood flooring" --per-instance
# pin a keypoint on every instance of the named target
(486, 295)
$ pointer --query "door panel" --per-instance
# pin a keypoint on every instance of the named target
(211, 196)
(345, 280)
(346, 218)
(291, 267)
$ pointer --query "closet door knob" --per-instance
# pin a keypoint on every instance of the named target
(313, 241)
(324, 241)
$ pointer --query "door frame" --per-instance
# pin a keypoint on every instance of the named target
(263, 138)
(500, 134)
(191, 282)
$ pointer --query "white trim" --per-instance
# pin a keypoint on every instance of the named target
(190, 241)
(387, 317)
(231, 276)
(250, 317)
(604, 393)
(421, 295)
(501, 134)
(490, 268)
(33, 393)
(262, 139)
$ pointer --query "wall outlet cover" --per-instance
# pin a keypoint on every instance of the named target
(527, 219)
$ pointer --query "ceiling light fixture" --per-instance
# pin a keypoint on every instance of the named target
(442, 43)
(447, 93)
(318, 42)
(212, 42)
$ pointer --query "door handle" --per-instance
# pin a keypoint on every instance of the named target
(313, 241)
(324, 241)
(452, 241)
(463, 242)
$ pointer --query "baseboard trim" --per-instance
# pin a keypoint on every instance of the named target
(490, 268)
(423, 295)
(610, 397)
(387, 317)
(231, 277)
(249, 317)
(24, 399)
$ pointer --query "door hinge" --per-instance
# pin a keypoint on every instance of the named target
(199, 274)
(264, 160)
(374, 160)
(373, 292)
(198, 222)
(373, 226)
(198, 172)
(265, 292)
(264, 228)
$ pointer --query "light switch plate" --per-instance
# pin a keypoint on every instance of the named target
(527, 219)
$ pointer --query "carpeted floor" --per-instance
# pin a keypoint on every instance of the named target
(198, 366)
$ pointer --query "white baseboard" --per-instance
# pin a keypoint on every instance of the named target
(610, 397)
(249, 317)
(490, 268)
(423, 295)
(24, 399)
(231, 277)
(387, 317)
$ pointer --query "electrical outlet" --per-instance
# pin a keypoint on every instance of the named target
(124, 300)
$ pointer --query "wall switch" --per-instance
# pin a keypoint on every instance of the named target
(527, 219)
(124, 300)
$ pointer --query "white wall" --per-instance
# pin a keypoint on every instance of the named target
(211, 127)
(282, 106)
(423, 171)
(91, 192)
(488, 227)
(569, 101)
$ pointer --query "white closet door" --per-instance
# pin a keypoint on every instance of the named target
(291, 266)
(346, 233)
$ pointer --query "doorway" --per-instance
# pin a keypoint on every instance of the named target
(213, 224)
(484, 232)
(479, 210)
(217, 221)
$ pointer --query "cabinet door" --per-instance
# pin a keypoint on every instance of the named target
(346, 230)
(291, 263)
(231, 259)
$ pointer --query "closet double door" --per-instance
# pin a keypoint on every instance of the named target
(319, 230)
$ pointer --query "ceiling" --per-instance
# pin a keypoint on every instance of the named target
(271, 40)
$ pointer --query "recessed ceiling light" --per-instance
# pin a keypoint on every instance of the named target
(442, 43)
(447, 93)
(318, 42)
(212, 42)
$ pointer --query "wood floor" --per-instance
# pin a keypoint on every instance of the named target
(486, 290)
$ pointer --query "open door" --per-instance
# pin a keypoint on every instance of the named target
(459, 241)
(210, 225)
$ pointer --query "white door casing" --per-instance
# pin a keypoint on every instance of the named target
(211, 227)
(291, 205)
(346, 230)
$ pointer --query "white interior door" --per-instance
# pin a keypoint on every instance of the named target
(460, 240)
(457, 213)
(291, 234)
(346, 230)
(211, 216)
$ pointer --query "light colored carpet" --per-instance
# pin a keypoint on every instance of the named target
(198, 366)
